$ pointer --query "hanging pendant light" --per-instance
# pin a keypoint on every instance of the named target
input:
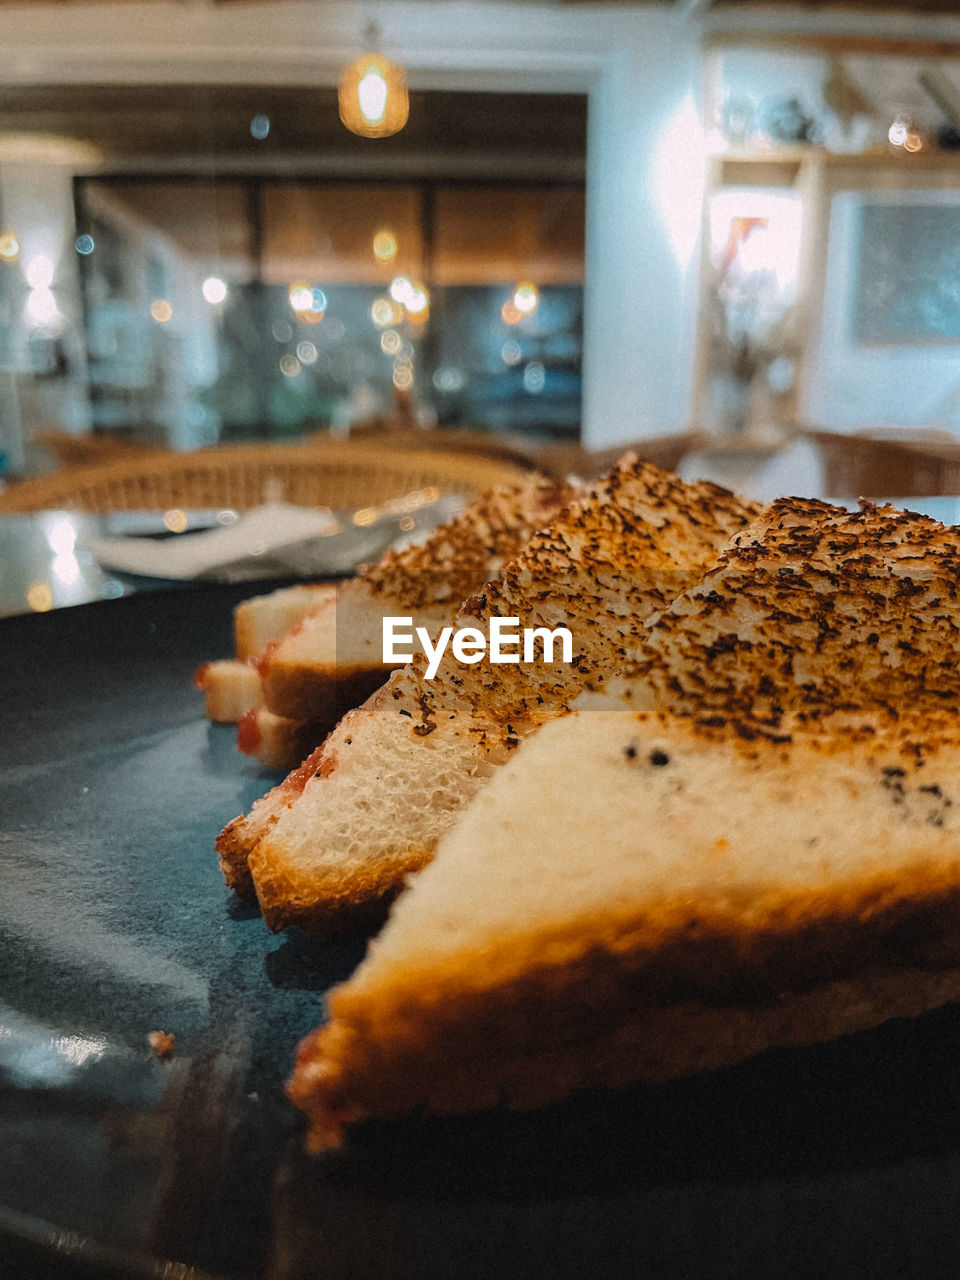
(373, 94)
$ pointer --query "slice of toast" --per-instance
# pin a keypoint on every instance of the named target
(333, 659)
(394, 774)
(232, 686)
(231, 689)
(275, 740)
(709, 894)
(262, 620)
(813, 609)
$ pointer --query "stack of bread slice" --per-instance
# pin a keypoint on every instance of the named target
(766, 853)
(332, 846)
(306, 655)
(232, 686)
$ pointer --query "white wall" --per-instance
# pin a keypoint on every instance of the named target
(645, 177)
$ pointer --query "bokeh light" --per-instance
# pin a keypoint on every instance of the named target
(9, 247)
(260, 127)
(289, 366)
(214, 290)
(161, 310)
(898, 131)
(309, 302)
(384, 246)
(85, 245)
(39, 272)
(534, 377)
(176, 520)
(40, 597)
(402, 375)
(384, 311)
(526, 298)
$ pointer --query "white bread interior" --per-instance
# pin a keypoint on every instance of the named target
(231, 689)
(261, 620)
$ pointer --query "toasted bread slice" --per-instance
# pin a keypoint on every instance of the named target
(262, 620)
(275, 740)
(232, 686)
(394, 774)
(334, 659)
(711, 893)
(231, 689)
(813, 609)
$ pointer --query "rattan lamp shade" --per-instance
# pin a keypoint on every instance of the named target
(373, 97)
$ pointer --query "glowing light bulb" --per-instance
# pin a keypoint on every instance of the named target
(372, 96)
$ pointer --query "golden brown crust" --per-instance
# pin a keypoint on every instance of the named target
(346, 900)
(530, 1023)
(232, 848)
(649, 1044)
(239, 836)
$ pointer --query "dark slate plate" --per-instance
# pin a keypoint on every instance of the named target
(841, 1160)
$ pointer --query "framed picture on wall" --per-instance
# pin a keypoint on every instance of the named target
(908, 279)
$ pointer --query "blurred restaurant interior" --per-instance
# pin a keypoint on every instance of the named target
(733, 230)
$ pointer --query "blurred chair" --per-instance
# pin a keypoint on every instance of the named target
(337, 474)
(485, 444)
(562, 460)
(90, 448)
(864, 466)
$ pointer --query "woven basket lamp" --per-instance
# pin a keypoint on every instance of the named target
(373, 97)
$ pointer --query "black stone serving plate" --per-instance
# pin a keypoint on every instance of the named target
(839, 1160)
